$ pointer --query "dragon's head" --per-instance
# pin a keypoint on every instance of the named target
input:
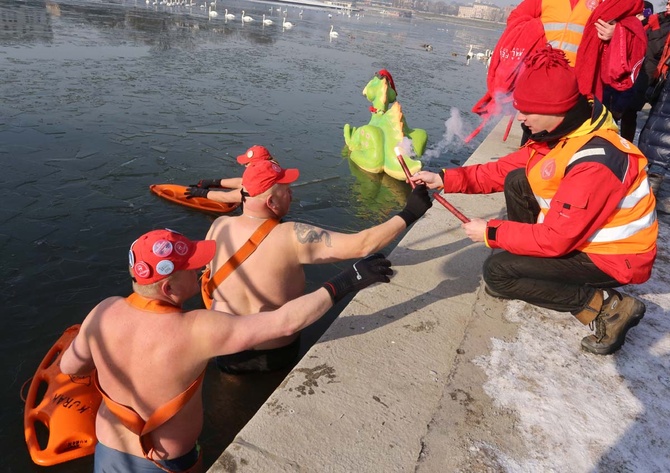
(380, 91)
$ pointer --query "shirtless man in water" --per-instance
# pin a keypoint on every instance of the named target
(219, 189)
(147, 351)
(273, 274)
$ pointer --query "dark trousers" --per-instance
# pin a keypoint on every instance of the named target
(565, 284)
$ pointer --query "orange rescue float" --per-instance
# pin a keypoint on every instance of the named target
(67, 409)
(177, 194)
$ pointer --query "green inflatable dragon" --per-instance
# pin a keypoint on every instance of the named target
(372, 146)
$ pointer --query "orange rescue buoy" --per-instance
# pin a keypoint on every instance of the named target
(66, 409)
(177, 194)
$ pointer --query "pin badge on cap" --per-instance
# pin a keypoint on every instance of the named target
(165, 267)
(162, 248)
(181, 248)
(142, 270)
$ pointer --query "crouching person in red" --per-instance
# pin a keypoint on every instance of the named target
(581, 216)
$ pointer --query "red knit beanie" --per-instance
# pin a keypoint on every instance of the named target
(547, 85)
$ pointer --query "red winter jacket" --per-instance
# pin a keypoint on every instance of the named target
(561, 235)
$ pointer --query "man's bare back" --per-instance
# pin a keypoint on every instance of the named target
(270, 277)
(273, 274)
(149, 359)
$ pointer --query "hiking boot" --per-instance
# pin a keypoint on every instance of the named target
(618, 314)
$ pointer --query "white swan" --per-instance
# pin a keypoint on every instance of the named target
(286, 24)
(267, 22)
(468, 56)
(212, 13)
(333, 34)
(246, 18)
(229, 16)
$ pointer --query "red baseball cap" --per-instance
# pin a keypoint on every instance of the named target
(259, 176)
(255, 153)
(159, 253)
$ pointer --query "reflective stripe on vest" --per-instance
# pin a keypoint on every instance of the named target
(564, 26)
(632, 228)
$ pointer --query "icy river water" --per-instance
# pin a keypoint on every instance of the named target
(98, 100)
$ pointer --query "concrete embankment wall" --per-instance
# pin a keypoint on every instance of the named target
(363, 397)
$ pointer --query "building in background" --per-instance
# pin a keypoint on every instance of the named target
(483, 11)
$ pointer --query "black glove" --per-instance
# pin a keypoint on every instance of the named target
(207, 183)
(418, 203)
(364, 272)
(193, 191)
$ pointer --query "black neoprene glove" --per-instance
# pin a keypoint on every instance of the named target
(363, 273)
(207, 183)
(418, 203)
(196, 192)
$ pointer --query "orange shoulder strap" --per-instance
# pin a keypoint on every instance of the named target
(238, 258)
(137, 425)
(134, 422)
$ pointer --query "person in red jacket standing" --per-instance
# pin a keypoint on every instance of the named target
(603, 40)
(581, 216)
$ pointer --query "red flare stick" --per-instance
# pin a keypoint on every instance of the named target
(436, 195)
(451, 208)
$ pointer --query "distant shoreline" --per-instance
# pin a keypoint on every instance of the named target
(489, 25)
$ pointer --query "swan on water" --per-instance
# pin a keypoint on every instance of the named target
(468, 56)
(286, 24)
(212, 13)
(229, 16)
(267, 22)
(333, 34)
(246, 18)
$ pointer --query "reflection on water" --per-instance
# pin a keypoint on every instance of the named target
(102, 99)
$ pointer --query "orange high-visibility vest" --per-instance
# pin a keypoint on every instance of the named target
(632, 227)
(564, 26)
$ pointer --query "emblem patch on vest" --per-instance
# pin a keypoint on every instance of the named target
(592, 4)
(548, 170)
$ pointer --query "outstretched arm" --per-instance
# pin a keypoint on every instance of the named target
(225, 196)
(316, 245)
(219, 333)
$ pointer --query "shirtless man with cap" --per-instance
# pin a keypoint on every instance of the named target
(219, 189)
(150, 355)
(273, 274)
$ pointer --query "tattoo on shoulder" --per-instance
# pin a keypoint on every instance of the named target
(310, 234)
